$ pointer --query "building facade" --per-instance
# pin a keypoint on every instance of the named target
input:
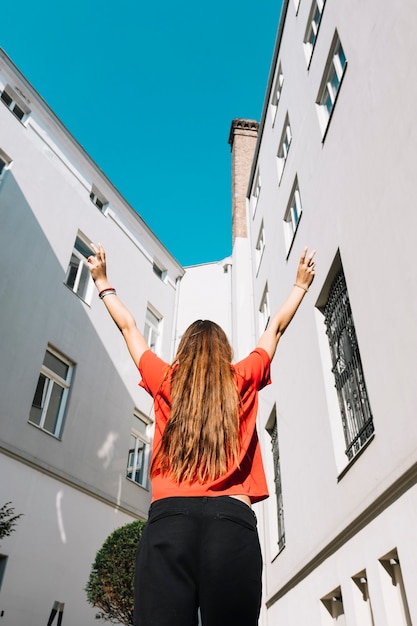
(333, 169)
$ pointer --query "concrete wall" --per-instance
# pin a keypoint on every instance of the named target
(355, 185)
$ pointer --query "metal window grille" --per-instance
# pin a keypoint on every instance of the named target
(277, 481)
(347, 368)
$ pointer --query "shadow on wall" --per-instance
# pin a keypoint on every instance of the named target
(37, 310)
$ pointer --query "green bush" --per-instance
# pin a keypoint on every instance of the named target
(110, 586)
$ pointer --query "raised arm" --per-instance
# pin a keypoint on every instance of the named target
(124, 320)
(279, 322)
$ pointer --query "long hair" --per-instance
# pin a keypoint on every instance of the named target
(201, 437)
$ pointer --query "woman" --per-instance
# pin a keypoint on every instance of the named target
(200, 547)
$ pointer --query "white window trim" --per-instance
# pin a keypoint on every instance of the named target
(313, 27)
(292, 217)
(146, 440)
(98, 199)
(260, 247)
(327, 91)
(159, 270)
(149, 327)
(256, 191)
(264, 310)
(61, 382)
(284, 147)
(15, 101)
(7, 163)
(82, 263)
(276, 93)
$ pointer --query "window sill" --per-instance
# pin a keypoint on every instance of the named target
(56, 437)
(355, 458)
(144, 487)
(76, 294)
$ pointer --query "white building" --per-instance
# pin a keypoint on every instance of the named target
(334, 169)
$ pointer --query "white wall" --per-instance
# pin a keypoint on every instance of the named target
(355, 187)
(205, 293)
(54, 544)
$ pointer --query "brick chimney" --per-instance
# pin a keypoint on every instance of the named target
(242, 139)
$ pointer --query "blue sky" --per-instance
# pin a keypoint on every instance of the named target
(149, 89)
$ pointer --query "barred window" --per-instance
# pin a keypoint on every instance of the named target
(350, 385)
(273, 432)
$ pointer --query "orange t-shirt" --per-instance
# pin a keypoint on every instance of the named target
(251, 374)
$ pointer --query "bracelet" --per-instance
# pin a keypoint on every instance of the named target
(107, 292)
(301, 287)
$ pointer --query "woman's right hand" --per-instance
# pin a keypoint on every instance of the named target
(97, 266)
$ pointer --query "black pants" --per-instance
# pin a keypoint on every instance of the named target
(198, 552)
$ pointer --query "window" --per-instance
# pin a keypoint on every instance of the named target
(10, 98)
(153, 322)
(333, 602)
(158, 270)
(313, 24)
(276, 92)
(78, 275)
(292, 216)
(5, 162)
(260, 246)
(350, 385)
(256, 190)
(98, 199)
(363, 603)
(284, 146)
(139, 452)
(3, 563)
(330, 85)
(264, 310)
(51, 394)
(272, 428)
(394, 591)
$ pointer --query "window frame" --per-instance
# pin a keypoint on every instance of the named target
(86, 294)
(349, 379)
(13, 102)
(312, 29)
(53, 379)
(264, 310)
(150, 328)
(256, 191)
(333, 75)
(260, 246)
(276, 92)
(7, 161)
(272, 429)
(284, 147)
(98, 199)
(159, 270)
(292, 216)
(144, 453)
